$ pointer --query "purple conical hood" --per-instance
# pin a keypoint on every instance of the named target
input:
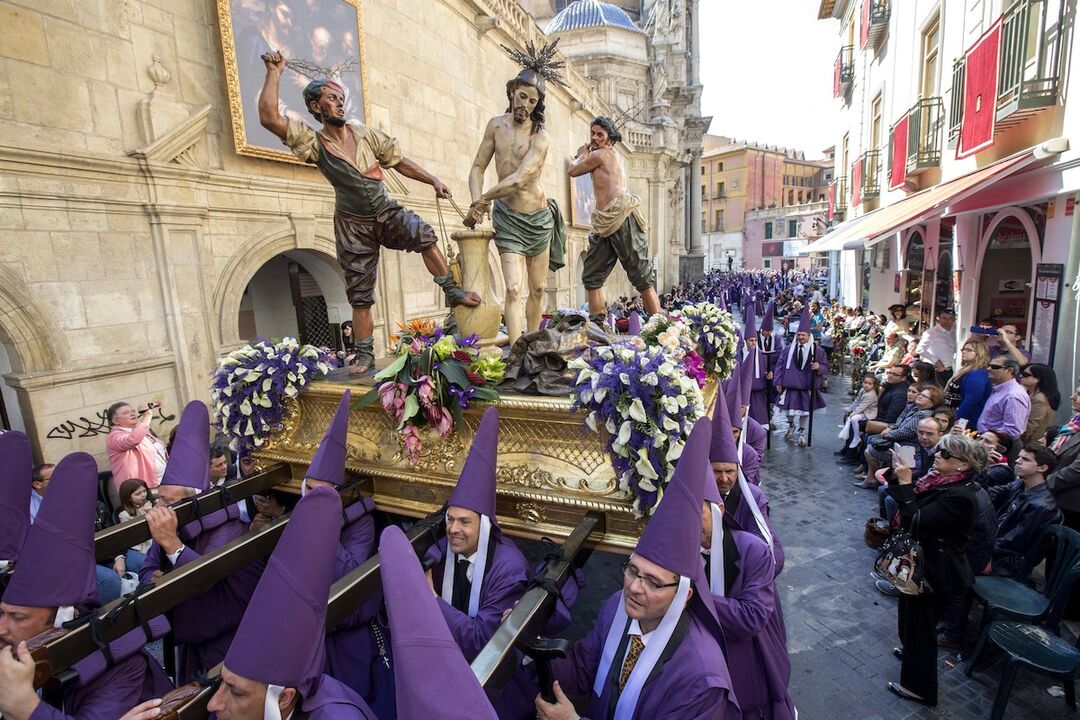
(431, 676)
(712, 492)
(746, 383)
(16, 471)
(723, 303)
(750, 322)
(476, 485)
(767, 323)
(56, 567)
(189, 460)
(281, 639)
(722, 448)
(328, 464)
(804, 320)
(633, 324)
(672, 537)
(733, 393)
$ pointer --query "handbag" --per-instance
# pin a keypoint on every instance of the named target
(877, 531)
(881, 444)
(902, 563)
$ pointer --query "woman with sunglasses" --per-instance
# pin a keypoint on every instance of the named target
(1041, 384)
(968, 390)
(940, 511)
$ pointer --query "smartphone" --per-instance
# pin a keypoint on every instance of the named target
(906, 455)
(979, 330)
(962, 423)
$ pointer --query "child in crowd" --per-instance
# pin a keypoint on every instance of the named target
(864, 407)
(135, 502)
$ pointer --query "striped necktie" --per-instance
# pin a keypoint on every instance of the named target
(632, 655)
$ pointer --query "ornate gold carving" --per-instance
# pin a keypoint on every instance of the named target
(531, 513)
(436, 454)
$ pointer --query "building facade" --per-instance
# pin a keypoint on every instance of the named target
(776, 238)
(956, 164)
(140, 244)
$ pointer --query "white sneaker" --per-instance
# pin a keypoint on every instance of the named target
(802, 440)
(790, 432)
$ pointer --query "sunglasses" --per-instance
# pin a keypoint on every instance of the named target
(1026, 374)
(945, 454)
(995, 367)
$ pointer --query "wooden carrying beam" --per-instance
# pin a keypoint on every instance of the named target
(113, 541)
(188, 702)
(495, 665)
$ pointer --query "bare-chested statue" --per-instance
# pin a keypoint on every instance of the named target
(618, 226)
(529, 230)
(352, 157)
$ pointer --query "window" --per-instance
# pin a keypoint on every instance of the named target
(844, 153)
(875, 122)
(720, 168)
(768, 231)
(792, 228)
(719, 221)
(719, 189)
(768, 264)
(931, 40)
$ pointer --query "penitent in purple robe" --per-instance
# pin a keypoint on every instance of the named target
(352, 647)
(738, 516)
(332, 700)
(755, 641)
(759, 384)
(204, 624)
(505, 579)
(755, 434)
(751, 464)
(797, 380)
(684, 684)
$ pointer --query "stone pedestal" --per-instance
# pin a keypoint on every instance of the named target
(484, 319)
(691, 267)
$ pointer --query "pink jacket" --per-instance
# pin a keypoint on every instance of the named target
(130, 458)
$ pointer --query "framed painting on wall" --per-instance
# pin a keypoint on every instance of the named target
(318, 39)
(582, 201)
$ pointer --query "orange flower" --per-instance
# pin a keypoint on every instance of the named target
(419, 326)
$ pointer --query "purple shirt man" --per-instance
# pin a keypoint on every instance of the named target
(1009, 404)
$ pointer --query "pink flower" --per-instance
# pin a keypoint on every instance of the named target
(392, 397)
(425, 388)
(440, 419)
(417, 347)
(411, 436)
(695, 367)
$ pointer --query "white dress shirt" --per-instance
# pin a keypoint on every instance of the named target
(938, 345)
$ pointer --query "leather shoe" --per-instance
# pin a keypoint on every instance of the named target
(898, 653)
(897, 689)
(886, 588)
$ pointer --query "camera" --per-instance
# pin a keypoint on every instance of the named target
(980, 330)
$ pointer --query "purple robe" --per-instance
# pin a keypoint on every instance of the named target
(688, 682)
(112, 693)
(797, 381)
(332, 700)
(755, 641)
(755, 434)
(205, 623)
(505, 579)
(759, 401)
(751, 464)
(741, 518)
(352, 647)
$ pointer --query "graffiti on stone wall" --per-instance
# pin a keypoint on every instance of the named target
(85, 427)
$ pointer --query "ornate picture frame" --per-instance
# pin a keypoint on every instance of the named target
(582, 201)
(318, 33)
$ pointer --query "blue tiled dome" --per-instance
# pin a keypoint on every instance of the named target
(590, 14)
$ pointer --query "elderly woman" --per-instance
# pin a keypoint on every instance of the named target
(940, 511)
(922, 399)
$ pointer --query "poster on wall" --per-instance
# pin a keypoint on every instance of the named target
(318, 40)
(1045, 311)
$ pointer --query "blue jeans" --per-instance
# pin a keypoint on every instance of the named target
(134, 560)
(886, 505)
(108, 583)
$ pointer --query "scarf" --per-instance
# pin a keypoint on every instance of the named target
(1067, 431)
(934, 479)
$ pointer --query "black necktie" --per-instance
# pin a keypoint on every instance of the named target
(799, 357)
(462, 586)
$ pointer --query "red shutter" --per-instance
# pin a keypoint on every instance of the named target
(836, 78)
(980, 93)
(856, 182)
(898, 166)
(864, 23)
(832, 200)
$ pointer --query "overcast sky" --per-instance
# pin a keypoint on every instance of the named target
(767, 68)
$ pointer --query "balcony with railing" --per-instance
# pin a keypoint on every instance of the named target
(871, 174)
(925, 120)
(874, 23)
(956, 101)
(838, 198)
(844, 71)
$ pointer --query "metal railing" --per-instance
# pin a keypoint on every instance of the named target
(1031, 48)
(925, 119)
(956, 102)
(871, 174)
(840, 203)
(843, 70)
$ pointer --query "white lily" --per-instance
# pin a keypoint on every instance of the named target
(644, 467)
(637, 411)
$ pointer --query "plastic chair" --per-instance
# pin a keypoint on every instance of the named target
(1012, 599)
(1032, 647)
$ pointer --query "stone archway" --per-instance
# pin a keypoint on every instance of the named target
(1011, 241)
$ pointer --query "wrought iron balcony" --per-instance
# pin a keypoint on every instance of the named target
(844, 71)
(840, 199)
(1032, 44)
(956, 101)
(925, 119)
(875, 21)
(866, 177)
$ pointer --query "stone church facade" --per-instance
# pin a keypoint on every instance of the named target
(132, 230)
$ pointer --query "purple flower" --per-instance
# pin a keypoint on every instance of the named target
(462, 396)
(392, 396)
(695, 367)
(411, 437)
(440, 419)
(425, 388)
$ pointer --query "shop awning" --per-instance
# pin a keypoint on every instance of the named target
(878, 225)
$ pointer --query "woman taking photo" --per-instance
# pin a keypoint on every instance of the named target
(922, 399)
(1041, 383)
(968, 390)
(940, 512)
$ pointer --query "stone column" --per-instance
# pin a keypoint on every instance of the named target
(692, 265)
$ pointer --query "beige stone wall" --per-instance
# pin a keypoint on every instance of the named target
(130, 227)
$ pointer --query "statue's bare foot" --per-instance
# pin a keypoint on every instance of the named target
(364, 359)
(361, 366)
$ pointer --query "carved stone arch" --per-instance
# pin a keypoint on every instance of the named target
(252, 255)
(1034, 247)
(34, 341)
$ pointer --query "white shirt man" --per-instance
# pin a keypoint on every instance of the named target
(938, 344)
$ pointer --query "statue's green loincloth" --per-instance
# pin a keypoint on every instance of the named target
(529, 233)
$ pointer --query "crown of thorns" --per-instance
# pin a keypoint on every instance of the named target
(542, 61)
(314, 71)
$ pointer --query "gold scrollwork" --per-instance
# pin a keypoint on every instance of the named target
(534, 477)
(531, 513)
(437, 454)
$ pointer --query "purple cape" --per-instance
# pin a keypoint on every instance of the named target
(755, 433)
(742, 518)
(334, 701)
(797, 383)
(16, 471)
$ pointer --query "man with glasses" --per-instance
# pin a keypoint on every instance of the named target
(1007, 409)
(1008, 345)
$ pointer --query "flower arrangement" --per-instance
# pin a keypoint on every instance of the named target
(647, 403)
(433, 378)
(717, 336)
(670, 333)
(250, 384)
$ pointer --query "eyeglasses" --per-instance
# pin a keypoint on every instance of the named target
(631, 573)
(995, 367)
(945, 454)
